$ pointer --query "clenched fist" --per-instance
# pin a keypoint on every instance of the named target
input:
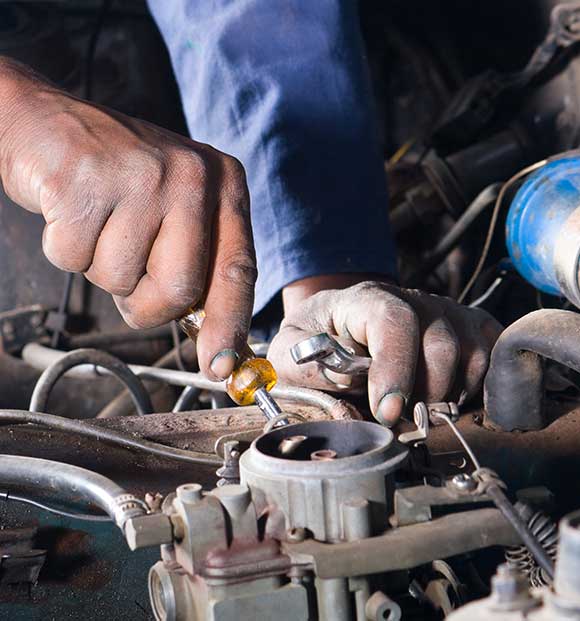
(422, 346)
(156, 219)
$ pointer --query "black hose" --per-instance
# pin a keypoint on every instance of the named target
(49, 377)
(514, 385)
(118, 438)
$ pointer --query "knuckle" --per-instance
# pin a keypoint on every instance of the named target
(239, 270)
(192, 168)
(442, 348)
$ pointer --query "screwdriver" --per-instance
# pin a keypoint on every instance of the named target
(251, 380)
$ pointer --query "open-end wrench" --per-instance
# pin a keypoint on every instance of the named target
(329, 353)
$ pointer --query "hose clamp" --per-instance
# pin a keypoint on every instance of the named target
(128, 506)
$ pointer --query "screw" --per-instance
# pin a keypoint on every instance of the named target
(463, 482)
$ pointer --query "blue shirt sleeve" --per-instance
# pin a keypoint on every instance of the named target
(283, 86)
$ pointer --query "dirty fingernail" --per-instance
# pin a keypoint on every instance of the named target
(390, 408)
(223, 363)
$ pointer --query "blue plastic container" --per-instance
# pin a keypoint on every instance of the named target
(536, 215)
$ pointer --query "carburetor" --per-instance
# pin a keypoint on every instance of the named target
(311, 530)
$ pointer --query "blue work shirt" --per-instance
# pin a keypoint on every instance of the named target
(283, 86)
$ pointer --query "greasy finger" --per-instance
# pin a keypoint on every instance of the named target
(123, 248)
(389, 328)
(176, 271)
(231, 279)
(438, 359)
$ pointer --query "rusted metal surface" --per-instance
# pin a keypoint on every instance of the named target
(549, 457)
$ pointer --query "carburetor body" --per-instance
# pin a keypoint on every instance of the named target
(313, 531)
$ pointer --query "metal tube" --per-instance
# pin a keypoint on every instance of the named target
(116, 367)
(71, 482)
(40, 357)
(84, 428)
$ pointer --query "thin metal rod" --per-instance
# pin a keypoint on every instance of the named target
(510, 513)
(459, 436)
(502, 502)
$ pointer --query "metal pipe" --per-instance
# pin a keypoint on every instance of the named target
(188, 397)
(116, 367)
(71, 482)
(84, 428)
(40, 357)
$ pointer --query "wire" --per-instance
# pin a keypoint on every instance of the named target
(492, 224)
(459, 436)
(491, 289)
(84, 428)
(8, 496)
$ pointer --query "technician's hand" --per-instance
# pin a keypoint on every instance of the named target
(423, 347)
(156, 219)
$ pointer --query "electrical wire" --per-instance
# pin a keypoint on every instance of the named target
(492, 224)
(489, 292)
(103, 434)
(9, 496)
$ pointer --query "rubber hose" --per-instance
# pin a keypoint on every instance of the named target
(514, 385)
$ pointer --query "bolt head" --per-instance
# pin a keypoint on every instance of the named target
(463, 482)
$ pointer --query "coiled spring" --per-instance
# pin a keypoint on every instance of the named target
(520, 558)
